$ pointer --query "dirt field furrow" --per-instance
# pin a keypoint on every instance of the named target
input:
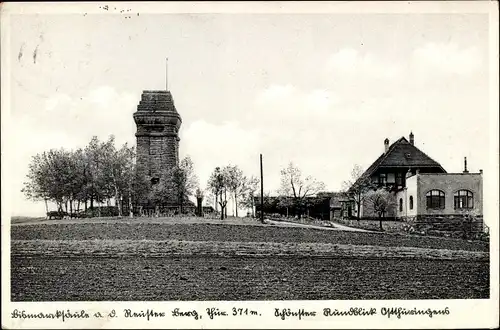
(244, 278)
(113, 248)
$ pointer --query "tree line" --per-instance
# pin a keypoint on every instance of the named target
(294, 192)
(100, 173)
(231, 182)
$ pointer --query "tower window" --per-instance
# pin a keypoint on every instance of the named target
(155, 180)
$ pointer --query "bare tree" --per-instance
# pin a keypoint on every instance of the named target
(294, 186)
(357, 187)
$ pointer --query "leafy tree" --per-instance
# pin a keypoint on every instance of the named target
(97, 173)
(297, 189)
(183, 181)
(236, 183)
(382, 202)
(138, 186)
(54, 176)
(286, 202)
(217, 183)
(94, 158)
(116, 172)
(38, 186)
(248, 198)
(357, 187)
(267, 202)
(176, 184)
(209, 198)
(79, 193)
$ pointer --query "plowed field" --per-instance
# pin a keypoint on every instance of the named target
(173, 261)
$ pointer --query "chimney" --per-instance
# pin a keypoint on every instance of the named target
(412, 138)
(386, 145)
(480, 171)
(465, 165)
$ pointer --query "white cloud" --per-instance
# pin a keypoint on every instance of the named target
(288, 103)
(56, 101)
(448, 58)
(351, 63)
(276, 93)
(211, 145)
(102, 111)
(320, 100)
(345, 59)
(66, 122)
(103, 96)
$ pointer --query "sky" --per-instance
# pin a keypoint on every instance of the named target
(320, 90)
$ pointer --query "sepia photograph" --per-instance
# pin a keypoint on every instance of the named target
(196, 156)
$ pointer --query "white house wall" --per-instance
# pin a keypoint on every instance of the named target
(449, 183)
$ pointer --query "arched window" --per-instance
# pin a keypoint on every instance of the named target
(411, 202)
(400, 205)
(464, 199)
(435, 199)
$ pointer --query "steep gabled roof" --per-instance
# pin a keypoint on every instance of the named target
(402, 154)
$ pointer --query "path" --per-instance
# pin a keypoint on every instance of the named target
(336, 226)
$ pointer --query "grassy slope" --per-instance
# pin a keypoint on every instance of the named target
(229, 233)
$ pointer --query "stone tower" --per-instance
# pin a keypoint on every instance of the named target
(157, 135)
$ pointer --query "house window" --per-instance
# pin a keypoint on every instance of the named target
(464, 199)
(391, 178)
(400, 205)
(382, 178)
(435, 199)
(399, 179)
(411, 202)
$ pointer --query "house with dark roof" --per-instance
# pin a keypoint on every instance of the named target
(400, 160)
(422, 189)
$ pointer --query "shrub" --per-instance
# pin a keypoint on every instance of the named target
(485, 237)
(56, 214)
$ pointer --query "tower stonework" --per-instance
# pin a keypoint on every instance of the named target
(158, 124)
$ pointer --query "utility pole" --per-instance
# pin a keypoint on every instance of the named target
(261, 192)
